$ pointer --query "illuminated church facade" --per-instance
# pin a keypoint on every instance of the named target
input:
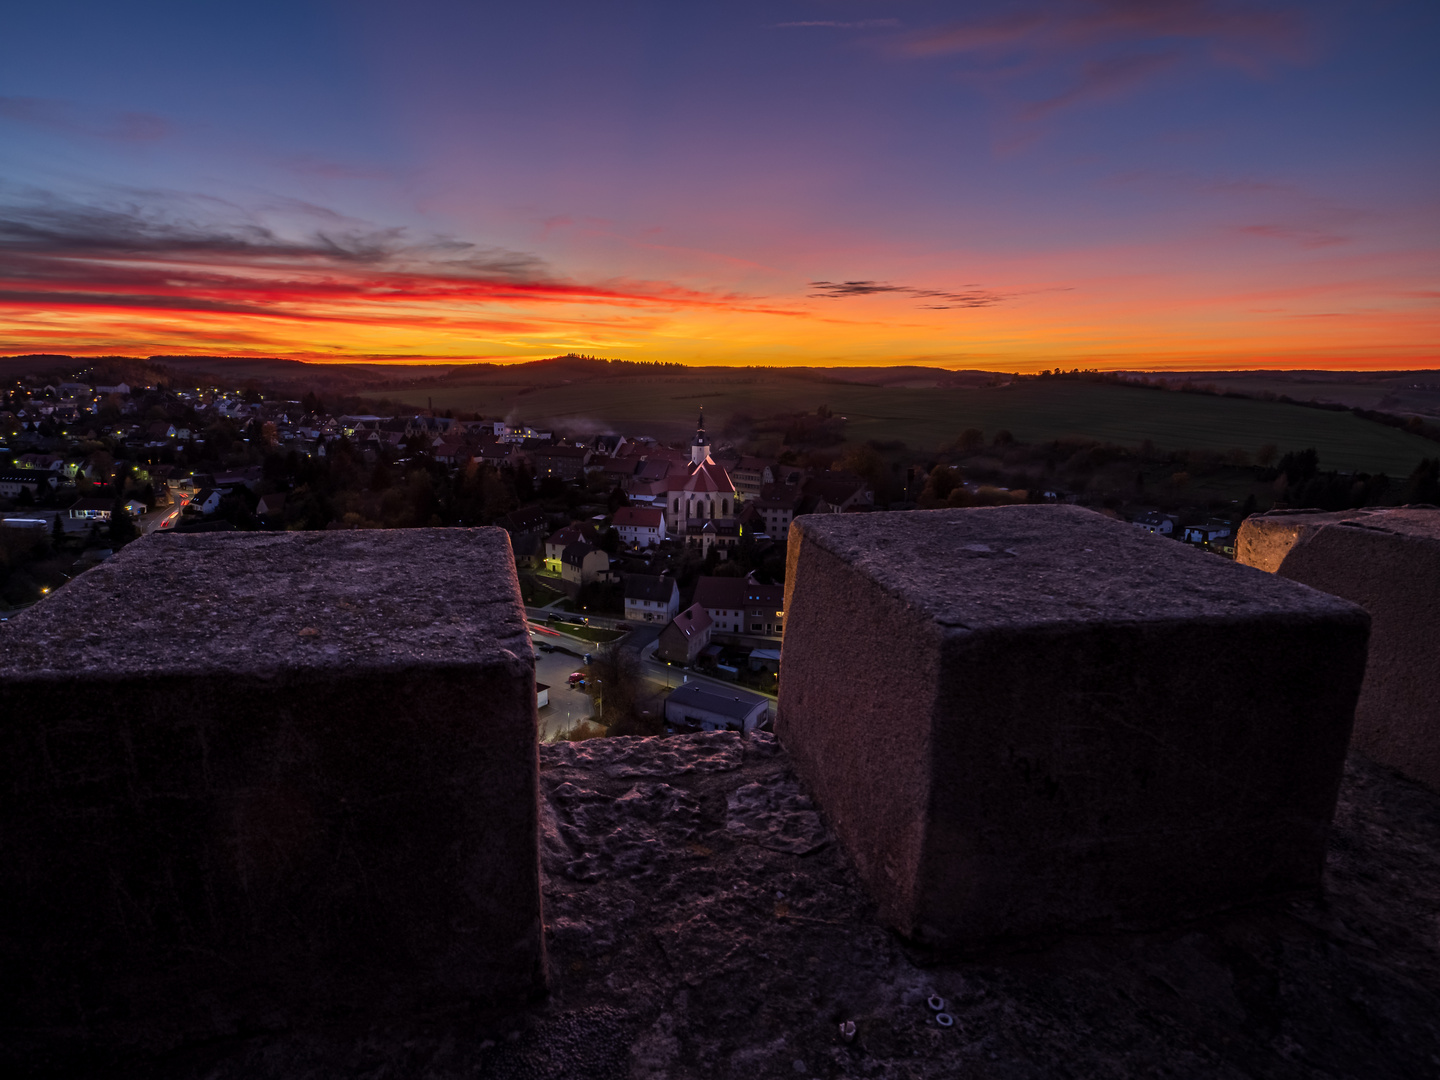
(701, 503)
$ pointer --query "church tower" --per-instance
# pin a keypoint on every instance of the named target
(700, 448)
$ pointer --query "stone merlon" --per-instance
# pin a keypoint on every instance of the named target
(1026, 720)
(1388, 562)
(260, 779)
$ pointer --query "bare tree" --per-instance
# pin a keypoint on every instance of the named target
(618, 682)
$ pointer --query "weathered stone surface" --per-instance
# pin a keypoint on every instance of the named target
(1265, 539)
(1388, 562)
(731, 960)
(1022, 720)
(254, 780)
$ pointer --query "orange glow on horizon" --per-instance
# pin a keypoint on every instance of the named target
(1354, 314)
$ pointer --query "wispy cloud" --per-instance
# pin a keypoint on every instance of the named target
(166, 252)
(155, 225)
(836, 290)
(1071, 25)
(1100, 79)
(1309, 238)
(325, 169)
(71, 119)
(858, 24)
(1102, 49)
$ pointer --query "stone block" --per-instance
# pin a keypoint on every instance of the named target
(1025, 720)
(260, 780)
(1388, 562)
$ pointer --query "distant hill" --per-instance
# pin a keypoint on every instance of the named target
(276, 375)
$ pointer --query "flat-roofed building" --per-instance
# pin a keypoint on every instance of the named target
(702, 707)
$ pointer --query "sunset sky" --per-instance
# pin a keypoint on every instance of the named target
(1097, 183)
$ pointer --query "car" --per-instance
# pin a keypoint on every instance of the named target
(545, 646)
(577, 678)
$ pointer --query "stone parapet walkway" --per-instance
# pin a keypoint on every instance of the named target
(703, 922)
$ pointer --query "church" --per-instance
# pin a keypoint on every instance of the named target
(701, 502)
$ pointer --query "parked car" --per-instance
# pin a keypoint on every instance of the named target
(577, 678)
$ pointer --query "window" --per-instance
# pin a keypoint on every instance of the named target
(755, 627)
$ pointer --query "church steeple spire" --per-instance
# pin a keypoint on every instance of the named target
(700, 448)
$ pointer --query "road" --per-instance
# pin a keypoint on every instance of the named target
(569, 707)
(666, 677)
(164, 518)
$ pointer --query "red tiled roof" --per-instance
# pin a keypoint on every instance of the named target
(725, 593)
(639, 517)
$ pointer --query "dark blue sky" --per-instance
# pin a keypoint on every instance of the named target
(1195, 181)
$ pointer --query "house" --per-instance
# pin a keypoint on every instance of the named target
(426, 428)
(450, 450)
(780, 504)
(749, 476)
(574, 533)
(651, 598)
(526, 528)
(1155, 522)
(620, 472)
(136, 509)
(566, 462)
(842, 491)
(742, 605)
(685, 635)
(206, 500)
(248, 477)
(581, 564)
(491, 451)
(653, 471)
(701, 707)
(639, 526)
(609, 445)
(722, 534)
(28, 480)
(271, 505)
(1215, 535)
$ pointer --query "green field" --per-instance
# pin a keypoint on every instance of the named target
(580, 397)
(665, 405)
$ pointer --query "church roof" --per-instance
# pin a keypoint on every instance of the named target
(703, 478)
